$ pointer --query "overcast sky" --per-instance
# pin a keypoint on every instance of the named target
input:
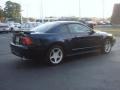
(58, 8)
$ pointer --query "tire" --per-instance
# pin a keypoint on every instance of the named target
(107, 46)
(55, 55)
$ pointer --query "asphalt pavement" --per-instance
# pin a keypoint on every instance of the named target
(84, 72)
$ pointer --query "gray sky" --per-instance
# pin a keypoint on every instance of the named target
(58, 8)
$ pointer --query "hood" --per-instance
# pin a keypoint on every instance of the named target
(103, 33)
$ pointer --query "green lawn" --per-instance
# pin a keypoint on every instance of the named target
(114, 31)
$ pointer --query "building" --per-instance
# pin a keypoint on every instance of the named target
(115, 19)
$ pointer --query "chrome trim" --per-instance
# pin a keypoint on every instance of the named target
(85, 48)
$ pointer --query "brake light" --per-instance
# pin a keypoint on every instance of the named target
(26, 41)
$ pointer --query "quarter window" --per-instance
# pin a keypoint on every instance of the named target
(78, 28)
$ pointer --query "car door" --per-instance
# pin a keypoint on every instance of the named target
(83, 39)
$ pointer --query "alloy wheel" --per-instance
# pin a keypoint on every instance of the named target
(56, 55)
(107, 47)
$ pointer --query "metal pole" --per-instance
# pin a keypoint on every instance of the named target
(41, 8)
(79, 9)
(21, 20)
(103, 11)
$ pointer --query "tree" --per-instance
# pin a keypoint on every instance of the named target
(12, 11)
(1, 13)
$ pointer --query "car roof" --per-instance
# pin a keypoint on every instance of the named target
(56, 23)
(66, 22)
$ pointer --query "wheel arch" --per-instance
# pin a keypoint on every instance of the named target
(107, 38)
(59, 44)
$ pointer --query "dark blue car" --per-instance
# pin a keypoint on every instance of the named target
(56, 40)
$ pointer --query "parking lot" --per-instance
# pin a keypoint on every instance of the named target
(83, 72)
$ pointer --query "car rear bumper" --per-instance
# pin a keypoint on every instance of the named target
(26, 52)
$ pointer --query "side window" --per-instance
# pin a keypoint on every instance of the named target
(59, 29)
(78, 28)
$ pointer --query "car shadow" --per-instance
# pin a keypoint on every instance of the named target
(29, 64)
(33, 64)
(81, 57)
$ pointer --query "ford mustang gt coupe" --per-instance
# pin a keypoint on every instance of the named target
(56, 40)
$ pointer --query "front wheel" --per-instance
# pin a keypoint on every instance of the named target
(107, 47)
(55, 55)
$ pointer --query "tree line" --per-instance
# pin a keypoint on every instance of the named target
(11, 12)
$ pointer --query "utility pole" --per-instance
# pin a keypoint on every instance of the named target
(79, 8)
(21, 19)
(41, 9)
(103, 9)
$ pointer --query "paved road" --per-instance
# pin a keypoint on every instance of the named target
(84, 72)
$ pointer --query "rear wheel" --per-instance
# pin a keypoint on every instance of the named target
(107, 47)
(55, 55)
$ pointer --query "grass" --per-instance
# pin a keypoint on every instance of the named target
(114, 31)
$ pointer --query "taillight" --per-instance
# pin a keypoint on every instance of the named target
(26, 41)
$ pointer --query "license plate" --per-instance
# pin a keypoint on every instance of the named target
(17, 40)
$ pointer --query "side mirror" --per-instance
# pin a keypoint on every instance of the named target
(91, 25)
(92, 32)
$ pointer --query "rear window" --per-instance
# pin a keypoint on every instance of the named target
(44, 27)
(59, 29)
